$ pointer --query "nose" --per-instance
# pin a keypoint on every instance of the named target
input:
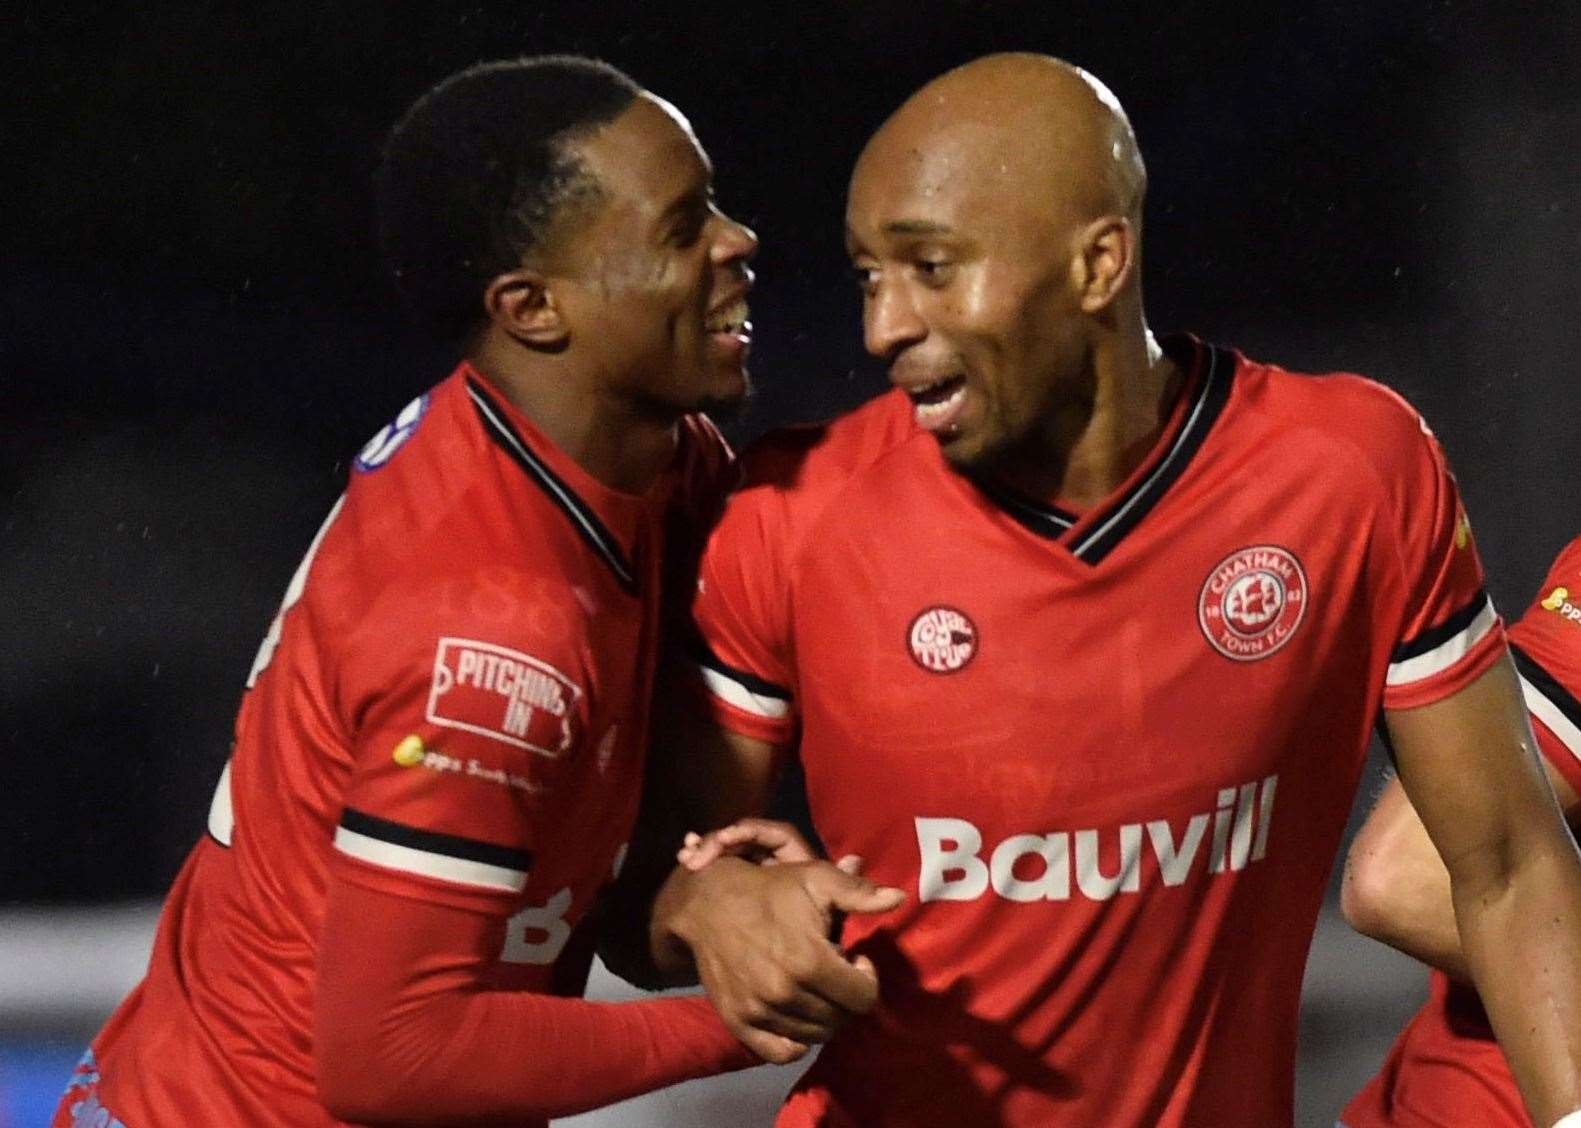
(890, 320)
(737, 243)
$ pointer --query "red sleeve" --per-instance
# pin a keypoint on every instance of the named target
(742, 615)
(464, 702)
(1547, 646)
(1446, 631)
(405, 1031)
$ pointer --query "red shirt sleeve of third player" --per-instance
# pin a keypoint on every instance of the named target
(741, 610)
(1546, 643)
(1446, 631)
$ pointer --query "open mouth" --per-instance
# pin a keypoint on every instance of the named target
(731, 320)
(937, 405)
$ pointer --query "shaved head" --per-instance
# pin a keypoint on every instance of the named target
(1032, 120)
(995, 223)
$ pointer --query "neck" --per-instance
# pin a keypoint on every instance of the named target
(1098, 437)
(622, 444)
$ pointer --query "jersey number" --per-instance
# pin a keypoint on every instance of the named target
(293, 594)
(222, 820)
(537, 933)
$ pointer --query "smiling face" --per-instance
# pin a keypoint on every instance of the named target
(966, 286)
(971, 222)
(653, 280)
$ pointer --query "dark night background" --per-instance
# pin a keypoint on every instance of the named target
(195, 335)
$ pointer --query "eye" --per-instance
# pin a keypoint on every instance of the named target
(689, 225)
(866, 277)
(933, 271)
(689, 229)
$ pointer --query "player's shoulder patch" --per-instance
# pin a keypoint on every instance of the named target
(504, 694)
(392, 436)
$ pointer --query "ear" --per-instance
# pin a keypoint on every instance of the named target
(1104, 262)
(521, 304)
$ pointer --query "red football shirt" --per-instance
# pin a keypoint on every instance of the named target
(1109, 753)
(1446, 1067)
(451, 706)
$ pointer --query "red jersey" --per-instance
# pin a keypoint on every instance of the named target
(1109, 753)
(1446, 1067)
(451, 706)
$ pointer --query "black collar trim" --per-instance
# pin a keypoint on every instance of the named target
(582, 517)
(1045, 520)
(1108, 529)
(1110, 525)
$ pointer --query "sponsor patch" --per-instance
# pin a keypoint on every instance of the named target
(382, 447)
(942, 640)
(409, 752)
(501, 693)
(1253, 601)
(1560, 602)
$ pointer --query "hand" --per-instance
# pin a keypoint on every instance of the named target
(764, 841)
(759, 938)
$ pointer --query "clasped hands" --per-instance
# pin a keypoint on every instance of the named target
(755, 905)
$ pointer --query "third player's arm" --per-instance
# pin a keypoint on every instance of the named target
(1470, 767)
(1396, 889)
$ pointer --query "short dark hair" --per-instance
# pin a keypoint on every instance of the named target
(475, 174)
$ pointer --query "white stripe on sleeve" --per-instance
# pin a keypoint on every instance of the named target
(1445, 654)
(1551, 715)
(408, 859)
(732, 692)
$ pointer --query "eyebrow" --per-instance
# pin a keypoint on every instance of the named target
(693, 197)
(917, 227)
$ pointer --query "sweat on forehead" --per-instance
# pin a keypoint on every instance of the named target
(1028, 116)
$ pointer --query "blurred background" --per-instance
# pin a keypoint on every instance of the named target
(195, 336)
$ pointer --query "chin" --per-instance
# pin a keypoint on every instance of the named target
(965, 452)
(724, 407)
(727, 395)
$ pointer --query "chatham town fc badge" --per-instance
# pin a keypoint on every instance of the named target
(1253, 601)
(942, 640)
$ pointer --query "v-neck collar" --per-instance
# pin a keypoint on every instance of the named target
(1092, 535)
(590, 506)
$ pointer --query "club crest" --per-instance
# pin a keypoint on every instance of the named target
(1253, 601)
(942, 640)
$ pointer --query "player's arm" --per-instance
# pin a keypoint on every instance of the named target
(1469, 765)
(407, 1031)
(700, 776)
(756, 937)
(1395, 887)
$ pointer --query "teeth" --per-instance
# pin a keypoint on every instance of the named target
(731, 319)
(930, 411)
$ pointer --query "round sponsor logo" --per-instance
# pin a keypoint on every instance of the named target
(1253, 601)
(382, 447)
(942, 640)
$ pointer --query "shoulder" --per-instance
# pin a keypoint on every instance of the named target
(1347, 406)
(805, 465)
(790, 477)
(1557, 604)
(1348, 423)
(423, 511)
(1566, 568)
(415, 464)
